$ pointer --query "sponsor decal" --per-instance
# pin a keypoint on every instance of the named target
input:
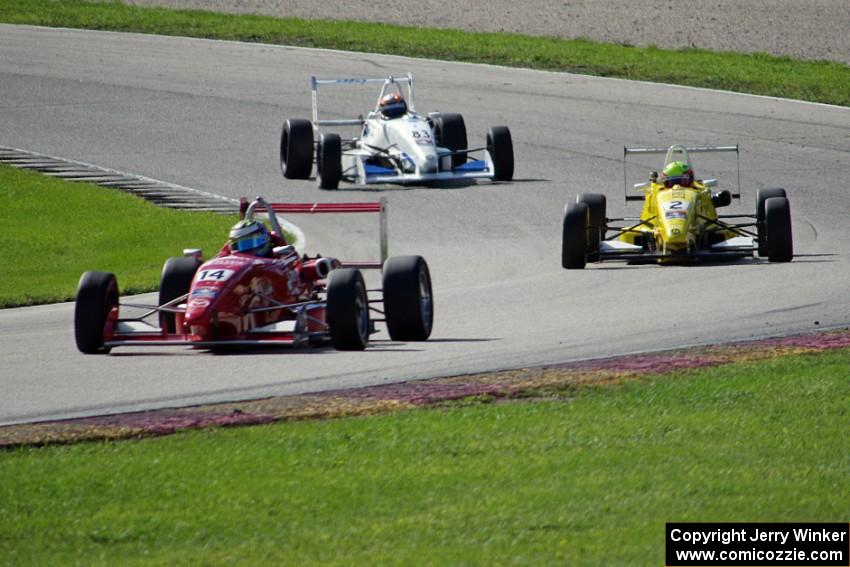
(199, 303)
(225, 261)
(676, 214)
(261, 286)
(204, 292)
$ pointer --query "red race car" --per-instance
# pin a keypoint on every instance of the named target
(259, 291)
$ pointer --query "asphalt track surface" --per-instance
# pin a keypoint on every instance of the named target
(207, 115)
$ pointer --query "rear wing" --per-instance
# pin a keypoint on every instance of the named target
(683, 153)
(387, 82)
(379, 207)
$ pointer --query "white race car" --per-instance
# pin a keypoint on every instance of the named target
(395, 145)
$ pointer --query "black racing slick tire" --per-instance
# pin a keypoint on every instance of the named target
(574, 237)
(296, 148)
(777, 214)
(408, 298)
(348, 310)
(177, 275)
(501, 149)
(596, 209)
(97, 296)
(329, 161)
(450, 132)
(762, 195)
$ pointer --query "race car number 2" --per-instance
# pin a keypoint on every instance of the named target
(213, 275)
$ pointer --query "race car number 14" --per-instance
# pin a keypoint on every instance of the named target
(214, 275)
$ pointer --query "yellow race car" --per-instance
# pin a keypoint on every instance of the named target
(679, 221)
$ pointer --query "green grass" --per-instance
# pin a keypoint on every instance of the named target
(55, 230)
(584, 482)
(755, 73)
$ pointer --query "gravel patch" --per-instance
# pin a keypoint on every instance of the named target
(815, 29)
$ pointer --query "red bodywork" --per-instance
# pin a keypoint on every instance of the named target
(242, 299)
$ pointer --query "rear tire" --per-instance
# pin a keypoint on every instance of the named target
(176, 280)
(450, 132)
(780, 245)
(97, 296)
(408, 298)
(574, 237)
(296, 148)
(329, 161)
(348, 310)
(596, 206)
(763, 195)
(501, 148)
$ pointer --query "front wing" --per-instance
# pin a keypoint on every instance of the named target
(732, 249)
(364, 173)
(139, 331)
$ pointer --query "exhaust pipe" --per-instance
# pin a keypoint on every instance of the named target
(317, 269)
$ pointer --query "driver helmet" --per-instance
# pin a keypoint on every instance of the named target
(251, 237)
(392, 105)
(677, 173)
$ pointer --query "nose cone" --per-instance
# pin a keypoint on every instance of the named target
(430, 162)
(675, 212)
(197, 311)
(675, 233)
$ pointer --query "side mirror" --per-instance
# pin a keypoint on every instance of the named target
(280, 251)
(710, 183)
(721, 199)
(641, 186)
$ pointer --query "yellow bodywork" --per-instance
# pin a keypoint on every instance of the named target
(676, 221)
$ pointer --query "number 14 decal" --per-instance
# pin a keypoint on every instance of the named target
(214, 275)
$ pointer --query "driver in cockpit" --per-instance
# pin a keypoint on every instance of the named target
(677, 173)
(392, 106)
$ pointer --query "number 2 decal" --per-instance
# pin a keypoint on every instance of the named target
(675, 205)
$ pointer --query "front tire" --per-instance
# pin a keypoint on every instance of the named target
(596, 209)
(780, 245)
(574, 237)
(501, 149)
(762, 195)
(408, 298)
(348, 310)
(176, 280)
(450, 132)
(329, 161)
(97, 297)
(296, 148)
